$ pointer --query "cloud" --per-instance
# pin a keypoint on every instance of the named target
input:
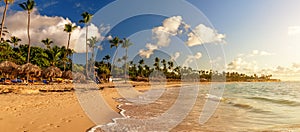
(241, 65)
(260, 53)
(296, 65)
(80, 44)
(162, 34)
(42, 27)
(293, 30)
(147, 53)
(170, 27)
(77, 5)
(174, 26)
(192, 58)
(175, 56)
(50, 3)
(204, 35)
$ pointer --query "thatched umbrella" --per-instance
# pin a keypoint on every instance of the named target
(29, 69)
(79, 77)
(8, 67)
(67, 75)
(52, 72)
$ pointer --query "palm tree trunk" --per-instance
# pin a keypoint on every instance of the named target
(125, 67)
(86, 54)
(69, 41)
(67, 53)
(28, 35)
(3, 19)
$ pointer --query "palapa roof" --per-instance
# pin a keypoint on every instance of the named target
(8, 66)
(52, 71)
(29, 69)
(67, 74)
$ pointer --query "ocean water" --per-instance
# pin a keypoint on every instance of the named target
(265, 106)
(270, 106)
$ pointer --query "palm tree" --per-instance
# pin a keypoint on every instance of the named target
(69, 29)
(141, 62)
(14, 40)
(156, 64)
(54, 55)
(115, 43)
(126, 43)
(28, 6)
(86, 20)
(107, 58)
(164, 62)
(92, 44)
(47, 42)
(171, 65)
(7, 2)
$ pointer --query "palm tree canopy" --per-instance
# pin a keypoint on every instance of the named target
(47, 42)
(14, 40)
(92, 41)
(107, 57)
(69, 27)
(115, 42)
(141, 62)
(28, 5)
(126, 43)
(86, 17)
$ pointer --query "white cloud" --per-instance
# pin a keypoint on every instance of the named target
(80, 44)
(50, 3)
(294, 30)
(192, 58)
(42, 27)
(175, 56)
(241, 65)
(204, 35)
(162, 34)
(170, 27)
(147, 53)
(109, 37)
(256, 53)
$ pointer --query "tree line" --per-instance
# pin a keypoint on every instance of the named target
(60, 57)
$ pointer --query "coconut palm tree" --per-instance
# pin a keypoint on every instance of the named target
(115, 43)
(69, 28)
(54, 55)
(92, 45)
(156, 63)
(47, 42)
(126, 43)
(107, 58)
(14, 40)
(86, 20)
(140, 67)
(28, 6)
(164, 62)
(7, 2)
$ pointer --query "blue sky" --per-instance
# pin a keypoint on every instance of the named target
(262, 35)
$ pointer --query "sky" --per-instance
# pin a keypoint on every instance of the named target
(249, 36)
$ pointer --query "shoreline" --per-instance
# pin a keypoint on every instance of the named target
(28, 109)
